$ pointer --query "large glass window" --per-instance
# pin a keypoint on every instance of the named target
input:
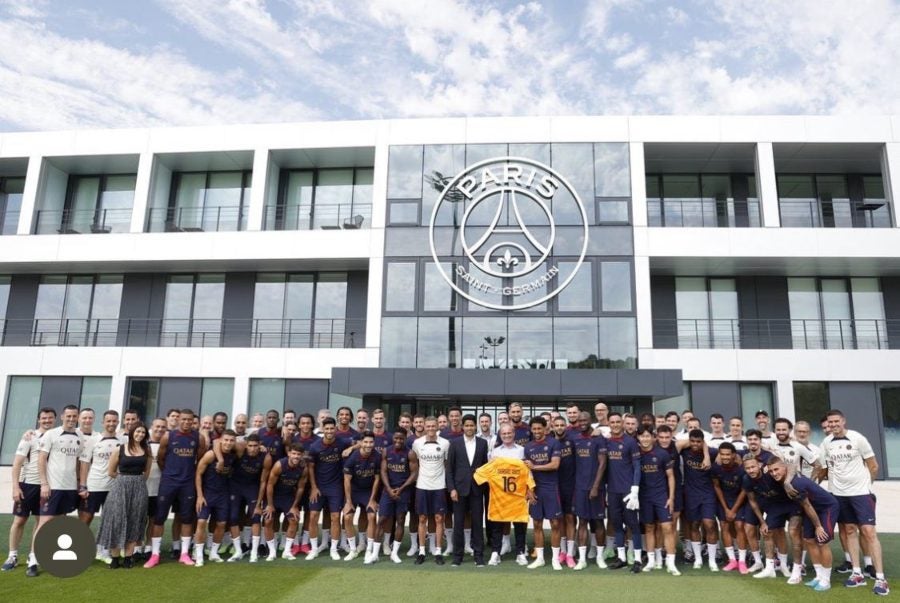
(405, 172)
(397, 349)
(23, 400)
(618, 343)
(326, 198)
(702, 200)
(193, 310)
(836, 313)
(441, 164)
(265, 395)
(11, 190)
(216, 396)
(707, 311)
(77, 310)
(868, 313)
(95, 392)
(811, 402)
(439, 342)
(754, 398)
(615, 286)
(437, 295)
(890, 412)
(578, 296)
(208, 201)
(832, 201)
(575, 343)
(4, 297)
(575, 161)
(143, 396)
(530, 343)
(678, 403)
(400, 287)
(301, 310)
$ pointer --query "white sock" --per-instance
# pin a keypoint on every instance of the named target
(782, 557)
(387, 539)
(599, 551)
(818, 569)
(582, 553)
(414, 540)
(847, 557)
(867, 561)
(711, 551)
(238, 546)
(670, 560)
(313, 544)
(570, 548)
(334, 544)
(637, 555)
(214, 549)
(326, 535)
(803, 558)
(651, 558)
(698, 552)
(826, 575)
(796, 569)
(563, 543)
(155, 544)
(288, 544)
(540, 554)
(396, 547)
(32, 560)
(742, 555)
(770, 563)
(729, 552)
(304, 537)
(506, 540)
(621, 551)
(554, 553)
(432, 543)
(185, 544)
(273, 547)
(226, 540)
(659, 556)
(198, 551)
(254, 544)
(467, 537)
(448, 536)
(757, 556)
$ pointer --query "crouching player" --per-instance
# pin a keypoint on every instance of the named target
(820, 509)
(284, 489)
(398, 474)
(657, 499)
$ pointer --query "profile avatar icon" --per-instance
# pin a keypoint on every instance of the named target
(64, 553)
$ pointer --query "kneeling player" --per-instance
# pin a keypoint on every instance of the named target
(398, 474)
(657, 499)
(284, 489)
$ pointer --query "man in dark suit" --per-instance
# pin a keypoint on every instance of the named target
(467, 454)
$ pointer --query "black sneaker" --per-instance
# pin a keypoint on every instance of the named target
(688, 556)
(439, 559)
(479, 562)
(869, 570)
(456, 563)
(845, 568)
(128, 562)
(420, 559)
(115, 563)
(32, 571)
(637, 567)
(175, 555)
(616, 564)
(10, 564)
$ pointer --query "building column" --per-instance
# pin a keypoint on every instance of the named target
(890, 174)
(240, 402)
(643, 303)
(784, 400)
(142, 192)
(638, 184)
(118, 394)
(767, 189)
(259, 189)
(30, 194)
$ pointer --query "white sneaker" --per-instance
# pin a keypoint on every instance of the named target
(600, 562)
(795, 579)
(107, 559)
(396, 558)
(536, 563)
(272, 555)
(413, 551)
(785, 571)
(367, 560)
(713, 567)
(448, 548)
(521, 559)
(353, 554)
(323, 547)
(286, 555)
(757, 565)
(198, 560)
(582, 563)
(216, 558)
(698, 564)
(768, 572)
(505, 548)
(236, 556)
(495, 559)
(468, 551)
(309, 556)
(592, 552)
(649, 567)
(254, 556)
(335, 555)
(555, 564)
(673, 570)
(385, 548)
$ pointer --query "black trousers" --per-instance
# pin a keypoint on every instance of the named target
(472, 504)
(496, 529)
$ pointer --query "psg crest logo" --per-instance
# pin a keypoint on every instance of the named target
(507, 230)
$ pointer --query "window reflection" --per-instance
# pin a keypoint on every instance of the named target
(615, 286)
(400, 287)
(575, 343)
(405, 172)
(618, 343)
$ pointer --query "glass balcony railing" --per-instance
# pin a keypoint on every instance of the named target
(703, 213)
(837, 334)
(837, 213)
(248, 333)
(224, 218)
(87, 221)
(346, 216)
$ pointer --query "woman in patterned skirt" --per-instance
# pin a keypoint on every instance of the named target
(125, 511)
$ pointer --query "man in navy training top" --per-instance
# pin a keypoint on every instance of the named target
(213, 484)
(326, 485)
(728, 481)
(398, 475)
(566, 477)
(284, 489)
(699, 498)
(590, 460)
(657, 499)
(765, 495)
(623, 476)
(542, 457)
(248, 482)
(362, 476)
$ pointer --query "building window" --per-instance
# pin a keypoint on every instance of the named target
(615, 286)
(890, 413)
(754, 398)
(205, 201)
(26, 395)
(11, 190)
(702, 200)
(77, 310)
(678, 404)
(265, 395)
(4, 300)
(837, 313)
(193, 310)
(833, 201)
(707, 312)
(93, 204)
(329, 199)
(216, 395)
(811, 402)
(302, 310)
(153, 397)
(400, 287)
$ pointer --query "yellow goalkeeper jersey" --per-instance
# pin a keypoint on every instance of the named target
(508, 480)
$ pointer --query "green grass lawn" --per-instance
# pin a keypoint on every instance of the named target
(301, 580)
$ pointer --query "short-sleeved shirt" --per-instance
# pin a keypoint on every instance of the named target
(272, 441)
(566, 472)
(328, 464)
(767, 491)
(806, 468)
(845, 458)
(623, 463)
(587, 450)
(542, 453)
(63, 449)
(431, 455)
(347, 437)
(794, 454)
(697, 481)
(397, 466)
(730, 478)
(97, 452)
(508, 480)
(820, 498)
(739, 445)
(30, 448)
(507, 452)
(362, 470)
(654, 478)
(450, 435)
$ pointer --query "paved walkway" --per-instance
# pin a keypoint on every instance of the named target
(888, 493)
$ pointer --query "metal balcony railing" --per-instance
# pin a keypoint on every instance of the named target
(251, 333)
(327, 216)
(837, 334)
(836, 213)
(223, 218)
(705, 213)
(82, 221)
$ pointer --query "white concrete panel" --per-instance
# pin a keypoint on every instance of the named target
(659, 128)
(643, 306)
(589, 129)
(259, 189)
(890, 172)
(320, 135)
(379, 180)
(427, 131)
(374, 305)
(128, 140)
(142, 189)
(117, 395)
(507, 129)
(739, 128)
(638, 184)
(766, 185)
(22, 144)
(784, 400)
(241, 398)
(821, 128)
(30, 194)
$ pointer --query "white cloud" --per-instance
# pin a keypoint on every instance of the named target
(676, 15)
(636, 57)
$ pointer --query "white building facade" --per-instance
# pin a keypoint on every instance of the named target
(723, 264)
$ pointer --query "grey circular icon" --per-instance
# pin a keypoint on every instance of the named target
(64, 547)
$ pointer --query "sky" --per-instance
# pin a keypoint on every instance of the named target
(71, 64)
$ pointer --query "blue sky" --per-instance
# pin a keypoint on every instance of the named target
(77, 64)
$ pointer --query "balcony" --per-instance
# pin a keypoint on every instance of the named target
(703, 213)
(197, 219)
(248, 333)
(835, 213)
(9, 222)
(755, 334)
(69, 221)
(331, 216)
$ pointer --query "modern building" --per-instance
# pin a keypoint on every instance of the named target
(722, 264)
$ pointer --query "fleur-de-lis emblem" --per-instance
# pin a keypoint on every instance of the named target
(507, 261)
